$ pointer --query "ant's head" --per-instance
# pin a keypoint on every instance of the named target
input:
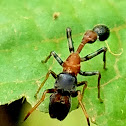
(59, 105)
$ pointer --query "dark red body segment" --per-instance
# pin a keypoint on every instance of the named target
(59, 103)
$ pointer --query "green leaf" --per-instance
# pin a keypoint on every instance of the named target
(29, 32)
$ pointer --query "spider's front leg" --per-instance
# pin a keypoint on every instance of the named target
(47, 76)
(78, 94)
(39, 102)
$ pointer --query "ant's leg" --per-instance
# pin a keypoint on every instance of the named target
(82, 106)
(99, 78)
(90, 56)
(39, 102)
(84, 83)
(47, 75)
(70, 41)
(52, 53)
(84, 87)
(79, 95)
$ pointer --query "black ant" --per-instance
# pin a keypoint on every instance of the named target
(66, 82)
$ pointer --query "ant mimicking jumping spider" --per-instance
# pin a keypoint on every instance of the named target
(66, 81)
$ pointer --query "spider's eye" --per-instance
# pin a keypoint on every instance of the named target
(102, 32)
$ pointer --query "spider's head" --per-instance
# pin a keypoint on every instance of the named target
(59, 105)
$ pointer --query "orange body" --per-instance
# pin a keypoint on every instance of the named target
(72, 64)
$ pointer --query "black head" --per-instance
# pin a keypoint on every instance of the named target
(65, 81)
(59, 105)
(102, 32)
